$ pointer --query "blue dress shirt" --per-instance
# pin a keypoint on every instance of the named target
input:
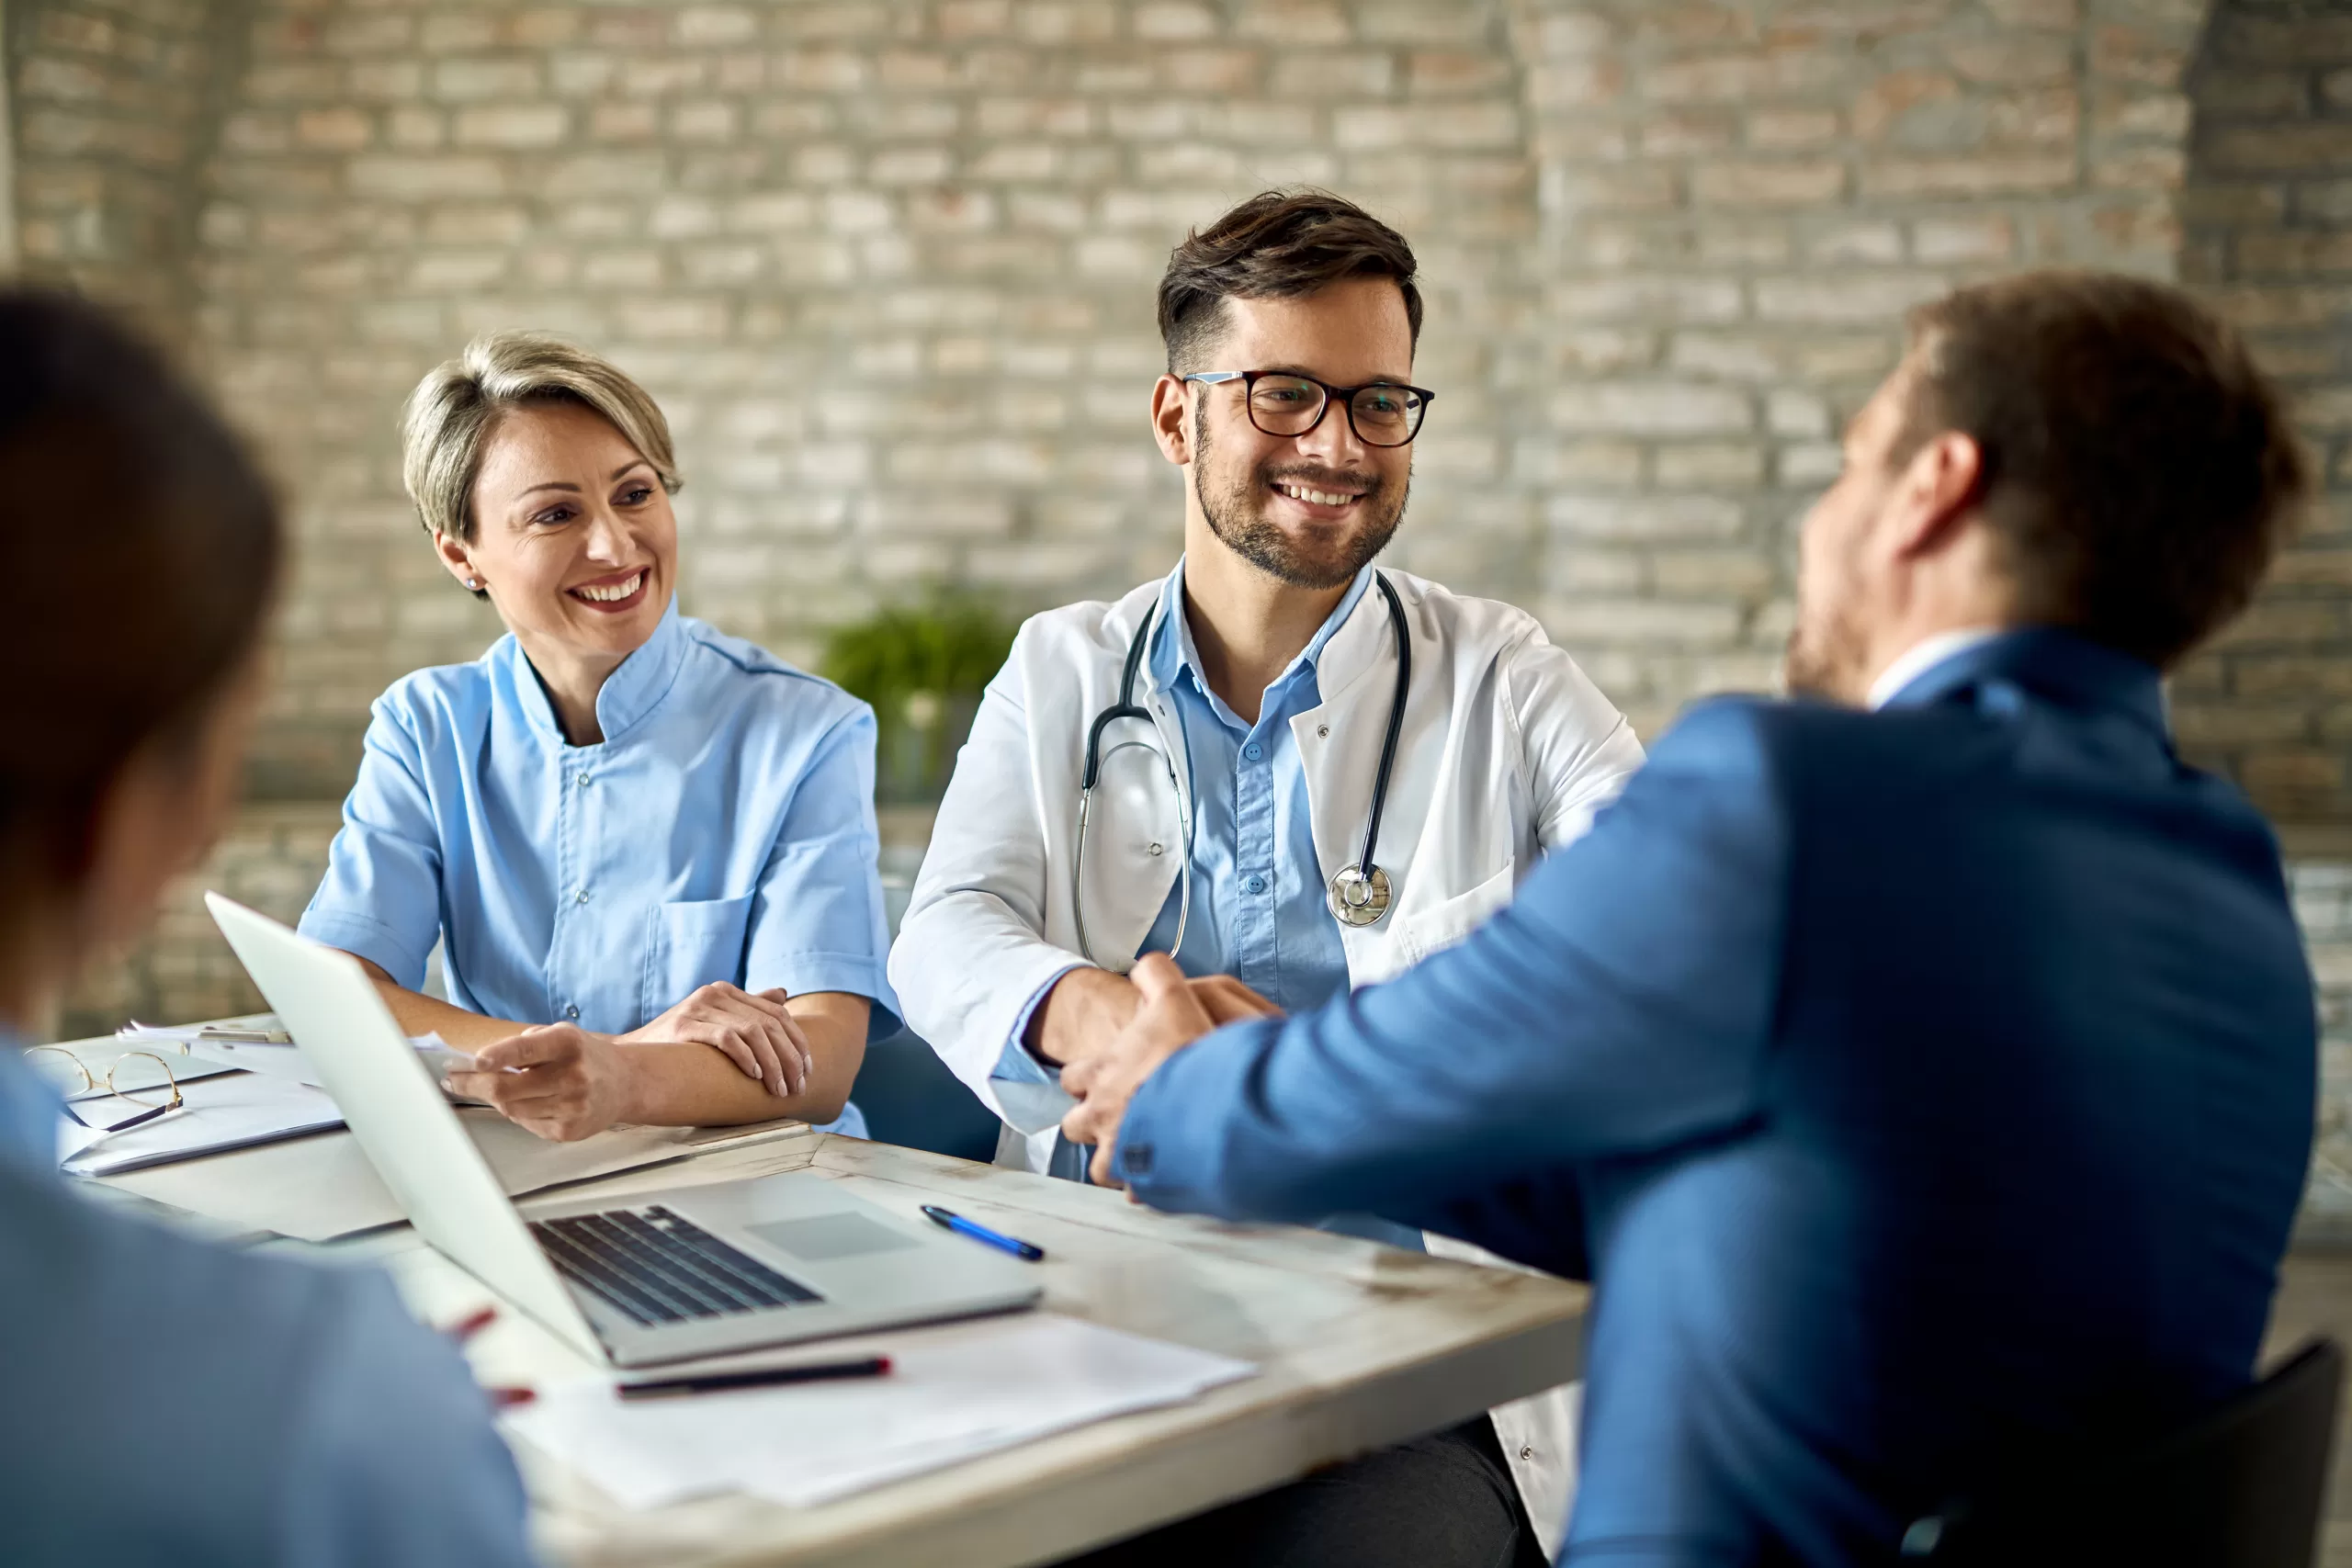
(1259, 912)
(170, 1402)
(722, 831)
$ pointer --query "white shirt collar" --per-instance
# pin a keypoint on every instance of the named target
(1924, 656)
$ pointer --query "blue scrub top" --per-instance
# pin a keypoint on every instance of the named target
(723, 830)
(170, 1402)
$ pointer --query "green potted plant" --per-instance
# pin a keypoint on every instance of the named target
(923, 669)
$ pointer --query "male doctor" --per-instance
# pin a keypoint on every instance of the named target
(1281, 795)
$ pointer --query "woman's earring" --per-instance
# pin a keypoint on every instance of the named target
(474, 584)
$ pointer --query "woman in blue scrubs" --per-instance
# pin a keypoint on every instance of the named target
(648, 848)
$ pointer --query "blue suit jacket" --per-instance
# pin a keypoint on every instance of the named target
(1919, 1089)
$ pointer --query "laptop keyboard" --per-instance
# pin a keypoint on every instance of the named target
(660, 1269)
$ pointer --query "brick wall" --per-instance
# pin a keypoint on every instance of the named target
(1737, 203)
(2268, 215)
(889, 267)
(115, 103)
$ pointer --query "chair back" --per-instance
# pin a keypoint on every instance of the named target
(2243, 1486)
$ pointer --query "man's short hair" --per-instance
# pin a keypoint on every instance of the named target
(2139, 470)
(1279, 245)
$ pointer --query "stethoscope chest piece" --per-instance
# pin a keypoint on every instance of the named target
(1358, 899)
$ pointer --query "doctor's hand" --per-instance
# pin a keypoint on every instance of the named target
(1175, 1012)
(1088, 1008)
(751, 1029)
(559, 1081)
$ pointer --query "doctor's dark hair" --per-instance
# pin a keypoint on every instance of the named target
(2140, 471)
(1279, 245)
(144, 552)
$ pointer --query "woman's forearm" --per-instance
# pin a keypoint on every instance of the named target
(698, 1086)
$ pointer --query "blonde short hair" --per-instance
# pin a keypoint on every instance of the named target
(454, 408)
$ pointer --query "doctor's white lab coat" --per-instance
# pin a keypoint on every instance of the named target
(1506, 751)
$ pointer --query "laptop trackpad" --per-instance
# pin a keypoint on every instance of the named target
(823, 1237)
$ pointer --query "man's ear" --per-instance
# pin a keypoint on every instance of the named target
(1940, 486)
(1171, 425)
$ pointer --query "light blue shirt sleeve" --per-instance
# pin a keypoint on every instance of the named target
(1014, 1063)
(381, 894)
(817, 921)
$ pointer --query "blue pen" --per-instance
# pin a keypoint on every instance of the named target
(962, 1226)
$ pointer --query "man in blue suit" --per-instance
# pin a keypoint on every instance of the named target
(1923, 1069)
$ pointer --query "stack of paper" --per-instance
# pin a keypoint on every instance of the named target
(955, 1393)
(261, 1047)
(320, 1189)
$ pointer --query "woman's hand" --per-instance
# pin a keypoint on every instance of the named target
(753, 1029)
(560, 1081)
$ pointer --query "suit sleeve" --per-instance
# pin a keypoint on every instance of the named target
(1622, 1005)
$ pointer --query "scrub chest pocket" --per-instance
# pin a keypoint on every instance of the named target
(691, 944)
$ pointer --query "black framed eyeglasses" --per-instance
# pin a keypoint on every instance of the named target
(1384, 414)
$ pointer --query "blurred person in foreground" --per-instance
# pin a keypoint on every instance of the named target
(1921, 1069)
(1273, 728)
(648, 848)
(168, 1401)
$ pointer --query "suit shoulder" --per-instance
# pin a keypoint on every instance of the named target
(1730, 733)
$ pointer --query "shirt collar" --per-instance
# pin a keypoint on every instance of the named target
(1924, 656)
(633, 690)
(1172, 656)
(2058, 665)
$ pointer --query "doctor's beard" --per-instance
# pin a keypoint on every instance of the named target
(1236, 514)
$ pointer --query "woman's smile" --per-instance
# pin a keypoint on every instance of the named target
(614, 593)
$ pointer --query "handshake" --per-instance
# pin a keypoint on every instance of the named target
(1111, 1033)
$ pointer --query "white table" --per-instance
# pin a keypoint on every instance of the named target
(1360, 1346)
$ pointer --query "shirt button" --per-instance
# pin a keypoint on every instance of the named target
(584, 895)
(573, 1011)
(1322, 732)
(584, 781)
(1255, 884)
(1158, 849)
(1527, 1453)
(1253, 750)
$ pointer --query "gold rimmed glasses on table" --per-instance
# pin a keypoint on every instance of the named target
(140, 1095)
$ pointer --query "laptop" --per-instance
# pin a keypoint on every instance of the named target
(670, 1276)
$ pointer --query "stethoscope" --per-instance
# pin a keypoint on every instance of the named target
(1359, 894)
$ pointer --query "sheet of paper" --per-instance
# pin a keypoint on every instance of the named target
(286, 1061)
(321, 1188)
(955, 1392)
(234, 1111)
